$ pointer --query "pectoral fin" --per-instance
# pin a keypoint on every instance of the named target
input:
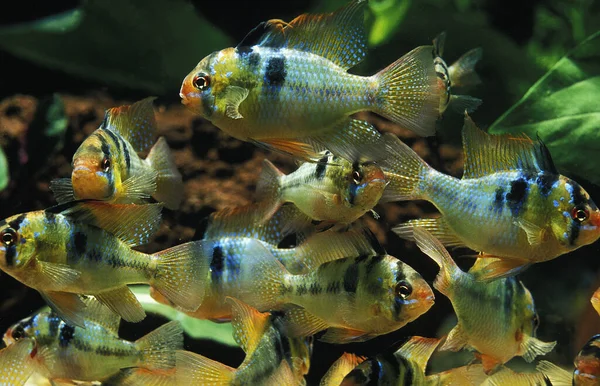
(233, 97)
(535, 234)
(532, 347)
(497, 268)
(68, 306)
(456, 339)
(55, 277)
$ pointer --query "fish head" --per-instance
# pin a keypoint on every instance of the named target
(197, 89)
(95, 168)
(576, 218)
(587, 363)
(411, 296)
(18, 239)
(366, 185)
(21, 330)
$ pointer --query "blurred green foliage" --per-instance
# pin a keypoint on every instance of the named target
(4, 174)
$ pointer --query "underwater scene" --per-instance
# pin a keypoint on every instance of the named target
(307, 192)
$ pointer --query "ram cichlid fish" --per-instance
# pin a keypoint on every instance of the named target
(93, 352)
(530, 212)
(497, 319)
(587, 367)
(332, 189)
(272, 357)
(107, 166)
(86, 248)
(286, 85)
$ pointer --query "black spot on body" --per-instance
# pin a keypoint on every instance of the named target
(545, 181)
(509, 296)
(216, 264)
(351, 279)
(275, 72)
(53, 323)
(321, 167)
(517, 195)
(80, 243)
(253, 61)
(499, 199)
(66, 335)
(243, 50)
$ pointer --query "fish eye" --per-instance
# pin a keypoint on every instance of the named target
(356, 177)
(9, 237)
(580, 214)
(105, 165)
(201, 82)
(18, 333)
(403, 289)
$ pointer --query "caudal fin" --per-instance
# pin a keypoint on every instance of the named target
(432, 247)
(169, 187)
(404, 170)
(181, 275)
(408, 92)
(158, 348)
(267, 188)
(195, 369)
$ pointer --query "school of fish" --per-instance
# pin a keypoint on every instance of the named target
(286, 87)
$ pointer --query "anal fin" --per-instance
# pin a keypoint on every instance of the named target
(345, 335)
(438, 227)
(123, 302)
(288, 146)
(497, 267)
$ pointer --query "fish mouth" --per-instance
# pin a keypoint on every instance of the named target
(81, 169)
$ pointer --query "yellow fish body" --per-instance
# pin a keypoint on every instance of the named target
(290, 87)
(93, 352)
(497, 318)
(16, 363)
(106, 166)
(332, 190)
(86, 248)
(511, 203)
(272, 357)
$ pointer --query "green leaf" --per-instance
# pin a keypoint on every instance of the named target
(149, 45)
(4, 175)
(195, 328)
(388, 15)
(562, 108)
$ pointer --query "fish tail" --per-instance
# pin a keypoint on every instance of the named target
(268, 188)
(408, 93)
(169, 187)
(195, 369)
(181, 275)
(158, 348)
(406, 172)
(462, 72)
(433, 248)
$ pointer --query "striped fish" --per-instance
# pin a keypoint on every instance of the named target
(93, 352)
(106, 166)
(511, 202)
(286, 85)
(86, 248)
(498, 318)
(272, 357)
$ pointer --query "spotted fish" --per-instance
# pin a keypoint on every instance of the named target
(93, 352)
(16, 363)
(286, 85)
(272, 357)
(106, 166)
(511, 204)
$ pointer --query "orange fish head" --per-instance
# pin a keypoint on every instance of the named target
(197, 88)
(587, 363)
(412, 295)
(93, 175)
(367, 183)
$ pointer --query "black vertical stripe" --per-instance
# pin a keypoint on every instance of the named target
(66, 335)
(127, 157)
(275, 72)
(351, 278)
(321, 167)
(80, 241)
(216, 264)
(517, 195)
(10, 254)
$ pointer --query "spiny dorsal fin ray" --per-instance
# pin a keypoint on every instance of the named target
(486, 154)
(338, 36)
(136, 123)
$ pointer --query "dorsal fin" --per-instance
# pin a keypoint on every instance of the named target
(418, 350)
(98, 313)
(486, 154)
(136, 123)
(338, 36)
(257, 34)
(248, 325)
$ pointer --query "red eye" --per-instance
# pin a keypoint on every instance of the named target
(201, 82)
(580, 214)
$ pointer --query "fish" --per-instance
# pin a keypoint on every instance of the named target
(106, 166)
(272, 357)
(508, 377)
(285, 86)
(16, 364)
(333, 189)
(497, 318)
(340, 368)
(460, 74)
(595, 300)
(511, 204)
(354, 299)
(232, 263)
(85, 248)
(406, 366)
(587, 367)
(559, 376)
(93, 352)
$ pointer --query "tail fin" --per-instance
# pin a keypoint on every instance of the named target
(404, 170)
(194, 369)
(169, 187)
(181, 274)
(462, 72)
(430, 246)
(408, 92)
(158, 347)
(267, 188)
